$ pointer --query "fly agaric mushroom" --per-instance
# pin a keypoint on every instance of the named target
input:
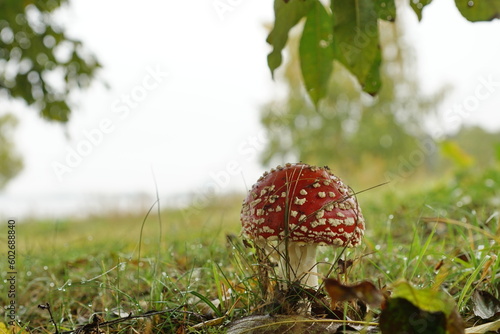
(293, 209)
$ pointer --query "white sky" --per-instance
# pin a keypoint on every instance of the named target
(202, 119)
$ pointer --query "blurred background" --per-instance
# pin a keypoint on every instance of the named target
(176, 98)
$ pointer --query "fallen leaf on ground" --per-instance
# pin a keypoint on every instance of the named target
(484, 328)
(485, 305)
(364, 291)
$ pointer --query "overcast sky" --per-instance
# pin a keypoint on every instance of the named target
(186, 86)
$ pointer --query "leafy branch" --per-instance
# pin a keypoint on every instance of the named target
(347, 31)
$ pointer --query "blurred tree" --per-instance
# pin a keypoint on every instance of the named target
(40, 65)
(10, 162)
(359, 136)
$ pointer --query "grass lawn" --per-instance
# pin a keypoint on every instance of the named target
(192, 265)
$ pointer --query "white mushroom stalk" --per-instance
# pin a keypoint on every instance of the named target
(301, 265)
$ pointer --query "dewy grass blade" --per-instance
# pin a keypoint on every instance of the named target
(207, 301)
(423, 250)
(468, 283)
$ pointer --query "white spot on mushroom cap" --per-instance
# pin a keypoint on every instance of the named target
(299, 201)
(316, 223)
(338, 242)
(303, 192)
(255, 202)
(334, 222)
(267, 229)
(349, 221)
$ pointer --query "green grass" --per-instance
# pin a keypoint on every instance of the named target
(198, 269)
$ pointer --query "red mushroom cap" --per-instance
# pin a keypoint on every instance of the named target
(307, 203)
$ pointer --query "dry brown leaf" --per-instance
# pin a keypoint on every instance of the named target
(365, 291)
(484, 328)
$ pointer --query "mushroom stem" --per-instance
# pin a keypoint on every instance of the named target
(300, 264)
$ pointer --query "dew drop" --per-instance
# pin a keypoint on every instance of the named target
(470, 3)
(323, 44)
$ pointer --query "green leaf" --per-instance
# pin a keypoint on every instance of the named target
(479, 10)
(316, 52)
(409, 310)
(373, 81)
(452, 150)
(418, 6)
(287, 15)
(426, 299)
(355, 33)
(401, 316)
